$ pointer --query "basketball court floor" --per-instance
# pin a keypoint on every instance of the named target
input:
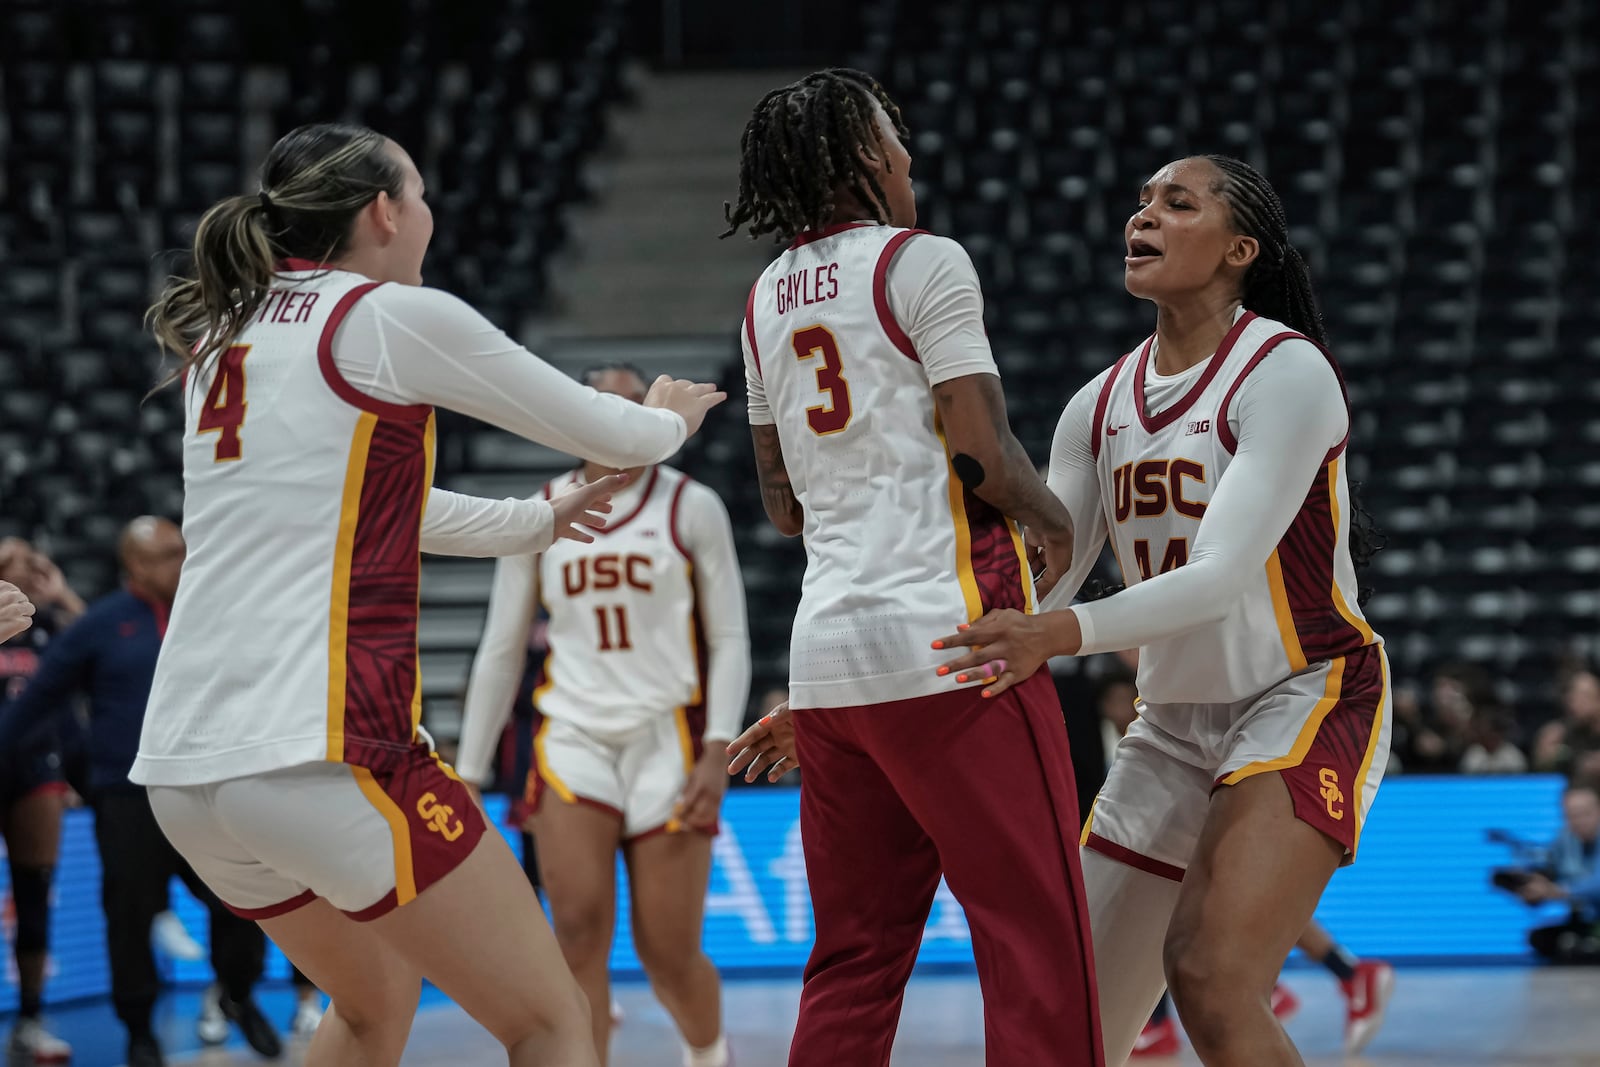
(1479, 1017)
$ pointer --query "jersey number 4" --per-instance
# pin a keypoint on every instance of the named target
(223, 412)
(834, 415)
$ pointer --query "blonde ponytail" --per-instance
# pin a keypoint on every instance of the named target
(314, 182)
(196, 318)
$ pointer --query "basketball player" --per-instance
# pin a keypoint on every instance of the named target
(626, 714)
(1365, 984)
(282, 747)
(33, 784)
(1213, 456)
(880, 433)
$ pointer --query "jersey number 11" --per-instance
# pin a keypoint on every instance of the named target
(613, 629)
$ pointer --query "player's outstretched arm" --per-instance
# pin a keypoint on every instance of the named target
(454, 524)
(497, 668)
(991, 462)
(418, 345)
(777, 493)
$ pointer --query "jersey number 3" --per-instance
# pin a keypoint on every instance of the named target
(835, 414)
(223, 412)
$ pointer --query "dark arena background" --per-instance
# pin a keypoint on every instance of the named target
(1437, 162)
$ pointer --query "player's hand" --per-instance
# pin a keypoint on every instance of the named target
(691, 400)
(585, 506)
(1049, 558)
(16, 611)
(701, 800)
(1008, 646)
(769, 743)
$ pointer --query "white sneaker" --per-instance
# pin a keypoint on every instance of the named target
(169, 937)
(29, 1038)
(212, 1027)
(306, 1018)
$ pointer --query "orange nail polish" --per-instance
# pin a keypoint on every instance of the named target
(938, 644)
(961, 677)
(943, 671)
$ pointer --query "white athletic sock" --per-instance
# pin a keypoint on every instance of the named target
(713, 1055)
(1129, 911)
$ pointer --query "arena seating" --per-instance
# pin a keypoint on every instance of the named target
(1431, 164)
(123, 127)
(1431, 158)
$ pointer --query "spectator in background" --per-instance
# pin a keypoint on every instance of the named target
(1574, 879)
(1491, 750)
(110, 655)
(1433, 739)
(34, 789)
(1561, 745)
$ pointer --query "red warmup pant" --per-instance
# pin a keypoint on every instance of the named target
(981, 790)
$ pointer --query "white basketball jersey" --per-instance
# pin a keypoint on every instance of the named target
(294, 634)
(898, 550)
(1157, 472)
(624, 637)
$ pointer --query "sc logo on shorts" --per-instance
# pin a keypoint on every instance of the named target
(437, 817)
(1331, 796)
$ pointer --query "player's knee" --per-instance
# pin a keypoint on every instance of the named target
(1192, 970)
(552, 1018)
(583, 931)
(30, 895)
(388, 999)
(667, 961)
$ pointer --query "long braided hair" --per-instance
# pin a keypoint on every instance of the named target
(801, 145)
(1277, 285)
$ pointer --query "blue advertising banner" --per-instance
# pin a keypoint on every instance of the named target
(1420, 889)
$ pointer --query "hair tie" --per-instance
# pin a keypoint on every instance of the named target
(266, 201)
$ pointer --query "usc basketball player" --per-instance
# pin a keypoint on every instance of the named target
(1213, 456)
(880, 434)
(649, 667)
(282, 747)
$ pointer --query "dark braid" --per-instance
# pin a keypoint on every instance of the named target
(801, 145)
(1278, 286)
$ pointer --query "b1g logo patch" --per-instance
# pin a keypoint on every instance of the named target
(1197, 426)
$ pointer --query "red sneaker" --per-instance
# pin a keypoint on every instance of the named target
(1157, 1039)
(1284, 1003)
(1366, 998)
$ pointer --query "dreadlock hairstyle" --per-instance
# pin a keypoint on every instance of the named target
(1278, 286)
(801, 145)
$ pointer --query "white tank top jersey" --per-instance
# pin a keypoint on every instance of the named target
(898, 550)
(625, 637)
(327, 668)
(1157, 472)
(308, 462)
